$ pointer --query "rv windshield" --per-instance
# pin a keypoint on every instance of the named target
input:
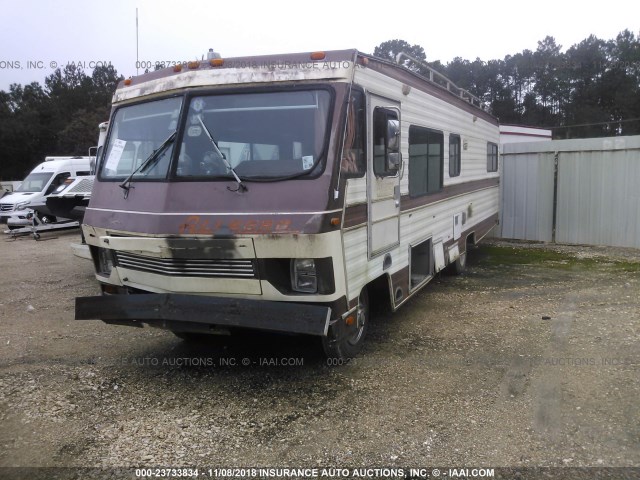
(137, 131)
(264, 135)
(35, 182)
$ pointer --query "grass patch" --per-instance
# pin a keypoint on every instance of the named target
(504, 255)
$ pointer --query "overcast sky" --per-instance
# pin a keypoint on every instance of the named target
(54, 33)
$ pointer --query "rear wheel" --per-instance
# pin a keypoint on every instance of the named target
(350, 345)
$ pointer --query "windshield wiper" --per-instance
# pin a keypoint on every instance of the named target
(241, 186)
(149, 162)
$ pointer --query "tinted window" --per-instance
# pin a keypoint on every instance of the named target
(426, 158)
(381, 116)
(137, 132)
(492, 157)
(455, 158)
(261, 135)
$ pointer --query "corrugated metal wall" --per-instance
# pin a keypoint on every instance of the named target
(597, 191)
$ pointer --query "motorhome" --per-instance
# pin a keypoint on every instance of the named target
(282, 193)
(16, 207)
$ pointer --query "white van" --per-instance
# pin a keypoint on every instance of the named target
(42, 181)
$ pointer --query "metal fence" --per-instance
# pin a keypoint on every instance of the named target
(583, 191)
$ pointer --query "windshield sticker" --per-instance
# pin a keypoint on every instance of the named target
(197, 105)
(115, 154)
(194, 131)
(307, 162)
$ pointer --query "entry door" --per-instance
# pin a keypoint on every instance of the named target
(383, 177)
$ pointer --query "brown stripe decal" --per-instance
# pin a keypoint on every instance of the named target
(409, 203)
(357, 214)
(479, 229)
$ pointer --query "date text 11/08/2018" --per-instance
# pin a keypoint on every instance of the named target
(313, 472)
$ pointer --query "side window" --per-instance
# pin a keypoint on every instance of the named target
(492, 157)
(57, 181)
(455, 159)
(354, 158)
(426, 159)
(384, 145)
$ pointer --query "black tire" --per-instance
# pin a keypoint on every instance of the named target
(349, 346)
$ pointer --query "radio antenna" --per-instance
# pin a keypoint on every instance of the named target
(137, 59)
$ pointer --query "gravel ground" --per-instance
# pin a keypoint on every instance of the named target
(529, 359)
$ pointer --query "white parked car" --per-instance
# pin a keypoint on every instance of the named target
(43, 180)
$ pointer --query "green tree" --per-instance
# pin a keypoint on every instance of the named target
(390, 49)
(59, 119)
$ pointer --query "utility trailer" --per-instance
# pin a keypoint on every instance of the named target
(283, 193)
(38, 226)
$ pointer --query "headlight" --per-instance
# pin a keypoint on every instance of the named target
(105, 261)
(303, 275)
(22, 205)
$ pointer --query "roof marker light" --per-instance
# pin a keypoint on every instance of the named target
(317, 55)
(177, 67)
(127, 81)
(216, 62)
(193, 65)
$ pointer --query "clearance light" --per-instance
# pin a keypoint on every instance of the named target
(127, 81)
(317, 55)
(193, 65)
(216, 62)
(177, 67)
(363, 61)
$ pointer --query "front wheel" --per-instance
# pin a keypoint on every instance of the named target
(350, 344)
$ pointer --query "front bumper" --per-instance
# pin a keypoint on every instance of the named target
(193, 312)
(16, 219)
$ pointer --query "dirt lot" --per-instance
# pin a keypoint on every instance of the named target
(529, 359)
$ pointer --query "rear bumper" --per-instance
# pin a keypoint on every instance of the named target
(192, 312)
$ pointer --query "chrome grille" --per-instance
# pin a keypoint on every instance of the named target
(6, 207)
(187, 267)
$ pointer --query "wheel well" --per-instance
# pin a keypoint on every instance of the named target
(471, 239)
(379, 297)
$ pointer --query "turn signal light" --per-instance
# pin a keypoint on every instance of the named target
(350, 320)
